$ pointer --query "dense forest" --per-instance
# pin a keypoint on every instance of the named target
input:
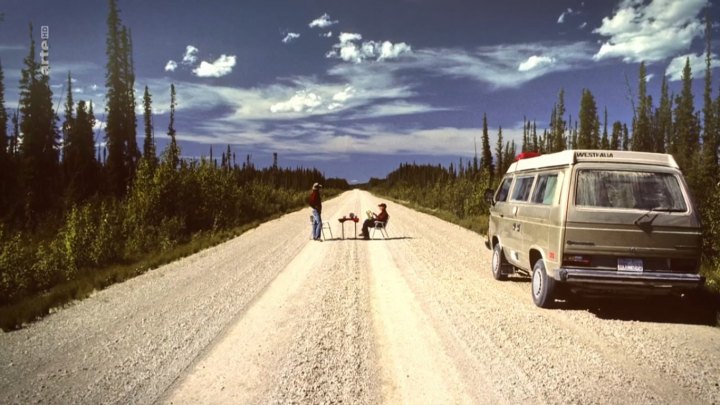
(673, 125)
(71, 206)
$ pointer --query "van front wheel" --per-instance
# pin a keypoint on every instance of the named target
(498, 263)
(543, 287)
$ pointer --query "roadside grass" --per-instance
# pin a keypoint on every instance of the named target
(477, 224)
(33, 308)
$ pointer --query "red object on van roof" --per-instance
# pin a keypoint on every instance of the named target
(526, 155)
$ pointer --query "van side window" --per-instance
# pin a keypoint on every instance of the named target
(545, 189)
(503, 190)
(521, 192)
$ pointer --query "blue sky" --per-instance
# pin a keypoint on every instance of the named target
(357, 87)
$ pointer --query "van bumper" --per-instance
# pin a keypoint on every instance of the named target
(610, 279)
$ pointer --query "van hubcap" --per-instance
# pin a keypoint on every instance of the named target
(537, 283)
(495, 262)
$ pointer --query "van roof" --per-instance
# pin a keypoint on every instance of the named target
(570, 157)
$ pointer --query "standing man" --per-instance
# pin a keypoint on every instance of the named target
(381, 217)
(316, 205)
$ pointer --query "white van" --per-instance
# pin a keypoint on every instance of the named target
(595, 221)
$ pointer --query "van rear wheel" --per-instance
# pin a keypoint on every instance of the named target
(543, 287)
(498, 263)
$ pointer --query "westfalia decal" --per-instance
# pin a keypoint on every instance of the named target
(593, 154)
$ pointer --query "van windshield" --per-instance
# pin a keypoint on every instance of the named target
(633, 190)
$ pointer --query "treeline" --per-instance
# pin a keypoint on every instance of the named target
(671, 125)
(70, 205)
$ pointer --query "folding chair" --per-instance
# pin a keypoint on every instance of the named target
(325, 225)
(382, 227)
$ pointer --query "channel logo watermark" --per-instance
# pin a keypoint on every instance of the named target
(45, 50)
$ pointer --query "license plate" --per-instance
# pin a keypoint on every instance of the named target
(630, 265)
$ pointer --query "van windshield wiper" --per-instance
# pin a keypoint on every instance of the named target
(657, 209)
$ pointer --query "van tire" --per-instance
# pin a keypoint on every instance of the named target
(498, 263)
(542, 286)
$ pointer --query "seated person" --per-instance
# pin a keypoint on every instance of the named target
(381, 217)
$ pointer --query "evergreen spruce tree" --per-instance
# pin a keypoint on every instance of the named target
(617, 135)
(625, 138)
(664, 120)
(80, 164)
(685, 129)
(149, 148)
(709, 165)
(486, 161)
(39, 146)
(558, 125)
(5, 163)
(605, 142)
(535, 145)
(173, 150)
(589, 122)
(68, 124)
(642, 138)
(499, 154)
(120, 104)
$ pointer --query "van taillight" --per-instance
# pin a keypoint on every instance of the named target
(576, 260)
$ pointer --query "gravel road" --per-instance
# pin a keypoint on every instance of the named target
(273, 317)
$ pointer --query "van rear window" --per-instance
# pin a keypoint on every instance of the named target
(629, 190)
(545, 189)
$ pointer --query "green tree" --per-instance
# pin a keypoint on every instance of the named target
(149, 148)
(499, 154)
(5, 163)
(39, 146)
(617, 135)
(664, 120)
(558, 125)
(486, 161)
(625, 138)
(642, 138)
(605, 142)
(588, 134)
(173, 151)
(685, 129)
(120, 106)
(709, 164)
(80, 164)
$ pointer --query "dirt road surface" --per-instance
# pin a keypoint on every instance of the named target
(273, 317)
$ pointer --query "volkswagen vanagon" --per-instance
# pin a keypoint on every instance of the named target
(591, 221)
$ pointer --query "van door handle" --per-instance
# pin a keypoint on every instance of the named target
(502, 216)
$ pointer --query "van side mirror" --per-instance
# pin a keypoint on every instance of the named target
(489, 196)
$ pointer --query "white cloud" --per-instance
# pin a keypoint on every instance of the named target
(171, 66)
(498, 65)
(328, 34)
(291, 36)
(535, 62)
(648, 77)
(697, 66)
(583, 25)
(190, 57)
(344, 95)
(302, 101)
(350, 49)
(564, 14)
(323, 21)
(650, 32)
(220, 67)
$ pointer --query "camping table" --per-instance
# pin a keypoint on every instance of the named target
(345, 219)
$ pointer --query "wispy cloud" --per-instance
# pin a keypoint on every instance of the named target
(290, 37)
(220, 67)
(640, 31)
(323, 21)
